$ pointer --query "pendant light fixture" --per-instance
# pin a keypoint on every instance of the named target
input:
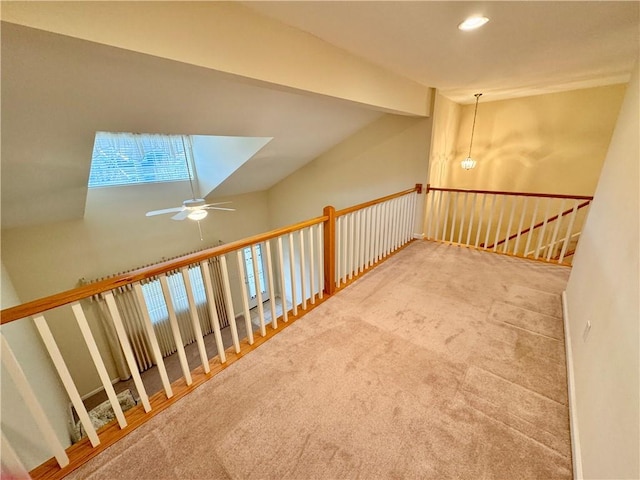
(469, 163)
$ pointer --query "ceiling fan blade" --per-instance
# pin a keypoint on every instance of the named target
(163, 211)
(219, 208)
(213, 204)
(181, 215)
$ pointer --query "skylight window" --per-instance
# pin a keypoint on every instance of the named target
(129, 159)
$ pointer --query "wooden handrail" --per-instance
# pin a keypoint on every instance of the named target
(518, 194)
(538, 225)
(355, 208)
(53, 301)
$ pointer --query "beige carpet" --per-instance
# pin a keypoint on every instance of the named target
(443, 362)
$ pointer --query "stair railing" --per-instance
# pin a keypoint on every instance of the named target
(522, 224)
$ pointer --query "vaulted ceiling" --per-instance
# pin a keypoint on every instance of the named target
(58, 90)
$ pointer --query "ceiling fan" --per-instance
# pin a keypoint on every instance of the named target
(194, 209)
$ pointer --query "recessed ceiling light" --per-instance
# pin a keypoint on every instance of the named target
(473, 22)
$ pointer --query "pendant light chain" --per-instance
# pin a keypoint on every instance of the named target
(473, 127)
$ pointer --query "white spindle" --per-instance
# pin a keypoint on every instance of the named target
(462, 216)
(555, 231)
(352, 238)
(283, 283)
(387, 229)
(484, 199)
(213, 315)
(195, 319)
(175, 329)
(521, 224)
(472, 214)
(319, 252)
(26, 392)
(99, 364)
(395, 222)
(358, 226)
(446, 216)
(228, 299)
(455, 215)
(258, 286)
(367, 232)
(544, 229)
(438, 212)
(533, 222)
(312, 270)
(245, 298)
(567, 237)
(490, 222)
(272, 287)
(65, 377)
(292, 272)
(345, 248)
(303, 273)
(412, 214)
(338, 251)
(11, 463)
(499, 227)
(506, 238)
(404, 219)
(126, 350)
(376, 234)
(151, 335)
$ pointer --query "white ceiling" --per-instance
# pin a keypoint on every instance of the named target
(57, 91)
(526, 48)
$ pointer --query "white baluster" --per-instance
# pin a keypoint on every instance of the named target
(499, 227)
(446, 215)
(303, 272)
(245, 299)
(520, 225)
(126, 350)
(350, 251)
(555, 231)
(258, 285)
(151, 335)
(229, 303)
(175, 330)
(338, 251)
(312, 270)
(283, 285)
(544, 229)
(489, 223)
(272, 287)
(319, 251)
(484, 199)
(292, 271)
(533, 222)
(356, 254)
(438, 212)
(472, 214)
(462, 216)
(506, 238)
(455, 214)
(99, 364)
(567, 237)
(65, 377)
(26, 392)
(213, 315)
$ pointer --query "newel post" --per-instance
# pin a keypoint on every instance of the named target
(329, 250)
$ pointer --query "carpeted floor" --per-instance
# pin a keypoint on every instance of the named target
(443, 362)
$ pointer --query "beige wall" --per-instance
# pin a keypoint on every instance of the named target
(554, 143)
(444, 139)
(17, 423)
(228, 37)
(115, 236)
(385, 157)
(604, 290)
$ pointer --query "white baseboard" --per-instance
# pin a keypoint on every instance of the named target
(418, 236)
(573, 413)
(99, 389)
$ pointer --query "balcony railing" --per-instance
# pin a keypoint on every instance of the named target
(306, 263)
(539, 226)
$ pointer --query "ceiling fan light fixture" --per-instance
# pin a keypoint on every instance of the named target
(473, 22)
(198, 214)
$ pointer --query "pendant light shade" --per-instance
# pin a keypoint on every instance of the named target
(469, 163)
